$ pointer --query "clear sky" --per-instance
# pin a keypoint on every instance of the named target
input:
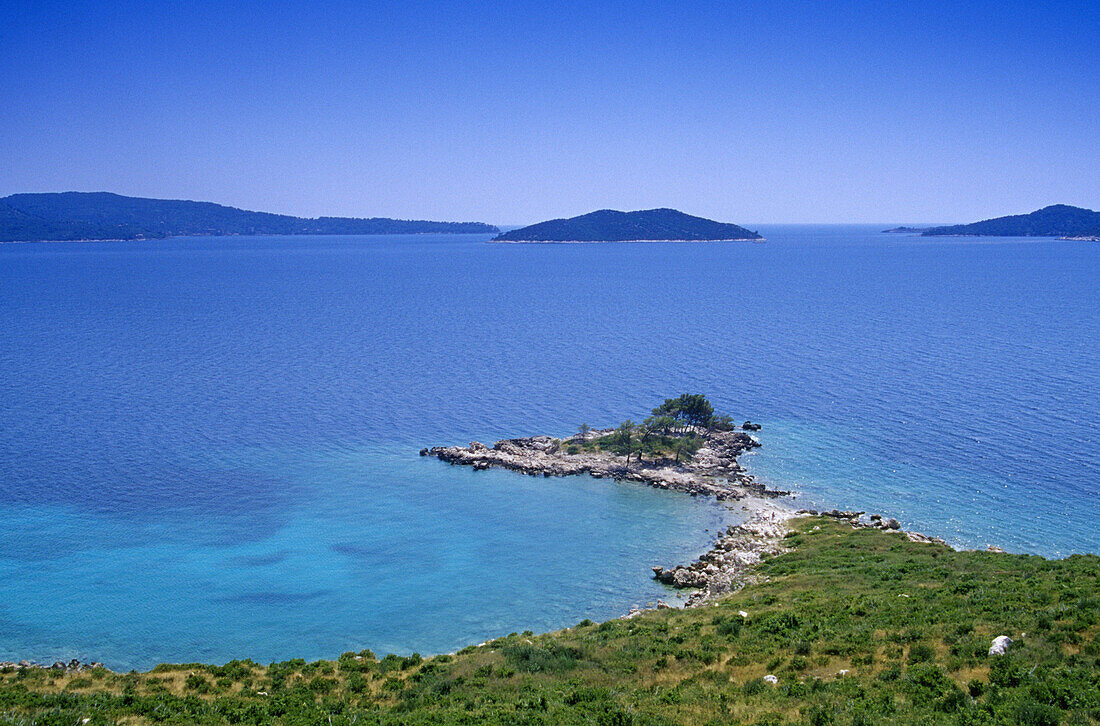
(750, 112)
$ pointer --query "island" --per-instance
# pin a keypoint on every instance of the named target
(649, 225)
(68, 216)
(905, 230)
(796, 617)
(1059, 220)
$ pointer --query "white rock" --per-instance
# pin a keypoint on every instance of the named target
(742, 613)
(771, 679)
(1000, 645)
(843, 672)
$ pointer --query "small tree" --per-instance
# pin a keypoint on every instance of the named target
(583, 429)
(622, 440)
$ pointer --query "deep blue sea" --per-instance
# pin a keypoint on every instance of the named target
(208, 446)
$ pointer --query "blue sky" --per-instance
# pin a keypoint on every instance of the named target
(516, 112)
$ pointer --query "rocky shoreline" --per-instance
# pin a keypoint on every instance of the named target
(73, 666)
(713, 470)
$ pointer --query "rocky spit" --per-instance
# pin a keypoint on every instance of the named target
(713, 470)
(727, 566)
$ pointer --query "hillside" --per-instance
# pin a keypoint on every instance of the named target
(608, 225)
(102, 215)
(858, 626)
(1059, 220)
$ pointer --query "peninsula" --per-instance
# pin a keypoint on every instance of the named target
(69, 216)
(650, 225)
(1059, 220)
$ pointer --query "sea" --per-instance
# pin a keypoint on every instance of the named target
(209, 445)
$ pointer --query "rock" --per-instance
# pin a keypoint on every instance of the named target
(750, 426)
(742, 613)
(662, 605)
(893, 524)
(843, 672)
(994, 548)
(1000, 645)
(876, 517)
(771, 679)
(425, 451)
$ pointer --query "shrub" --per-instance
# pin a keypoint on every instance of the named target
(921, 653)
(1032, 713)
(196, 683)
(553, 658)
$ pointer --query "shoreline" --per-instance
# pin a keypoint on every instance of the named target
(714, 470)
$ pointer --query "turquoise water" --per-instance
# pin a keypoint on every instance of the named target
(209, 445)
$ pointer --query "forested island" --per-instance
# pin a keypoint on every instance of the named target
(105, 216)
(1059, 220)
(650, 225)
(801, 618)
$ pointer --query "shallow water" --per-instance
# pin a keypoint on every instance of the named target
(209, 444)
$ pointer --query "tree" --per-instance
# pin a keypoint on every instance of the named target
(695, 409)
(690, 409)
(622, 440)
(583, 429)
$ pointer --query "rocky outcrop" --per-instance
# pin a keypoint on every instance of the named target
(713, 470)
(875, 521)
(726, 566)
(73, 666)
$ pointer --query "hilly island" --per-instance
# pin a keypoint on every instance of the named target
(70, 216)
(1058, 220)
(650, 225)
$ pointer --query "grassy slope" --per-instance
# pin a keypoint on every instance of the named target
(911, 622)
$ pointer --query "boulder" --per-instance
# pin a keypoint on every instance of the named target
(1000, 645)
(750, 426)
(771, 679)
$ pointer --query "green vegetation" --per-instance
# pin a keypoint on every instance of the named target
(100, 215)
(910, 623)
(675, 430)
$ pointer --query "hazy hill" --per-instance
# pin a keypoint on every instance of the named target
(608, 225)
(1059, 220)
(102, 215)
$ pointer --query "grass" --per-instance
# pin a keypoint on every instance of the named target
(910, 624)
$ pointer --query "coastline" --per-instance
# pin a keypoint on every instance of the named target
(713, 470)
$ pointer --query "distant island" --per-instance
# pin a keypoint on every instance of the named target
(609, 225)
(1059, 220)
(106, 216)
(905, 230)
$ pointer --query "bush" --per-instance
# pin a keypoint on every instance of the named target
(921, 653)
(1032, 713)
(196, 683)
(553, 658)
